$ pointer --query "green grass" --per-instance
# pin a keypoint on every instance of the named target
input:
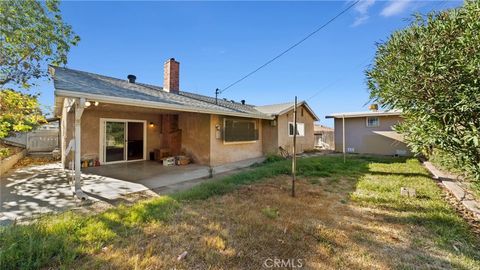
(58, 240)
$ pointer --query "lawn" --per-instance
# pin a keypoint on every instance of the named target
(346, 215)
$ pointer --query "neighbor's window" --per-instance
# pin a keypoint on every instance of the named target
(373, 122)
(240, 130)
(300, 129)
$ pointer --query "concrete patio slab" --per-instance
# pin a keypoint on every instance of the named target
(31, 191)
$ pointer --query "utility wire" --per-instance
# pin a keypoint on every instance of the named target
(340, 78)
(291, 47)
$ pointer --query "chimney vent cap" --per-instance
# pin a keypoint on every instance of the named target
(131, 78)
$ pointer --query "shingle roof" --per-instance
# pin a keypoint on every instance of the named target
(364, 114)
(76, 81)
(277, 109)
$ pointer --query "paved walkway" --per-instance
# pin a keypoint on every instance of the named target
(456, 189)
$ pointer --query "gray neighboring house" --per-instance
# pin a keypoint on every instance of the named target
(369, 132)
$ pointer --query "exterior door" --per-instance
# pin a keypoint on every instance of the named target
(122, 140)
(115, 134)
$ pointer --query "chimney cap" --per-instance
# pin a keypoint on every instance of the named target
(242, 101)
(131, 78)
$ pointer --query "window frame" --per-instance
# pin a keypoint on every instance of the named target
(298, 124)
(242, 120)
(374, 126)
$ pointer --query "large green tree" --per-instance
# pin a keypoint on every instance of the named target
(431, 71)
(32, 35)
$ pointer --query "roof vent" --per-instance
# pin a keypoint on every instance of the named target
(131, 78)
(242, 101)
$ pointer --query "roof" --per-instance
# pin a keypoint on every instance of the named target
(81, 84)
(320, 128)
(364, 114)
(278, 109)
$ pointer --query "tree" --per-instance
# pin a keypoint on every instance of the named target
(18, 112)
(431, 71)
(32, 34)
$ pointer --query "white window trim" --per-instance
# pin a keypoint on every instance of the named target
(101, 153)
(298, 123)
(238, 142)
(366, 121)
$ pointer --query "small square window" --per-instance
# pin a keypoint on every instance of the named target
(373, 122)
(300, 129)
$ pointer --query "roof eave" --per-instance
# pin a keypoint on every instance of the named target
(59, 93)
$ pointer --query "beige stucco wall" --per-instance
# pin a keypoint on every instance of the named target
(363, 140)
(91, 126)
(221, 153)
(198, 133)
(269, 137)
(196, 136)
(306, 142)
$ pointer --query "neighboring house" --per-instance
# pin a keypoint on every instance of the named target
(324, 137)
(124, 120)
(280, 130)
(369, 133)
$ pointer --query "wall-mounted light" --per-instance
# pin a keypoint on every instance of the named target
(89, 103)
(151, 124)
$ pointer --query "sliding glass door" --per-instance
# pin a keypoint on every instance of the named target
(114, 141)
(123, 141)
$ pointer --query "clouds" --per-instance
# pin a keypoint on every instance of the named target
(391, 8)
(395, 8)
(362, 11)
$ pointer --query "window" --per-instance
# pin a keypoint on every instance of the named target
(373, 122)
(300, 129)
(240, 130)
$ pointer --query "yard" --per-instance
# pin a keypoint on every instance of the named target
(346, 215)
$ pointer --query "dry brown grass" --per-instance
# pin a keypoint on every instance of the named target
(320, 226)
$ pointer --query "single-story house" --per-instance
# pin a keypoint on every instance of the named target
(324, 137)
(122, 120)
(369, 132)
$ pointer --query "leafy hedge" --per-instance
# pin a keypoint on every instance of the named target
(431, 71)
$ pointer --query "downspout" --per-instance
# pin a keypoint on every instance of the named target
(79, 107)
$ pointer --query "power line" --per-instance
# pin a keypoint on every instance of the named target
(340, 78)
(291, 47)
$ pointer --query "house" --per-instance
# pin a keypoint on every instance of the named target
(369, 132)
(114, 120)
(279, 130)
(324, 137)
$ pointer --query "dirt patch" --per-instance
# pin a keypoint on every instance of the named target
(34, 160)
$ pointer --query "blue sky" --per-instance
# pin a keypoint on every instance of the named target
(219, 42)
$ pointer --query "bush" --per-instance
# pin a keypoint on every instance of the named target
(430, 71)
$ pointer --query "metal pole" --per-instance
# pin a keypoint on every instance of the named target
(294, 158)
(343, 143)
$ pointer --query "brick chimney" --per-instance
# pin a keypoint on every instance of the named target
(171, 76)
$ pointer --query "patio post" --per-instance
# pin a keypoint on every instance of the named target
(79, 107)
